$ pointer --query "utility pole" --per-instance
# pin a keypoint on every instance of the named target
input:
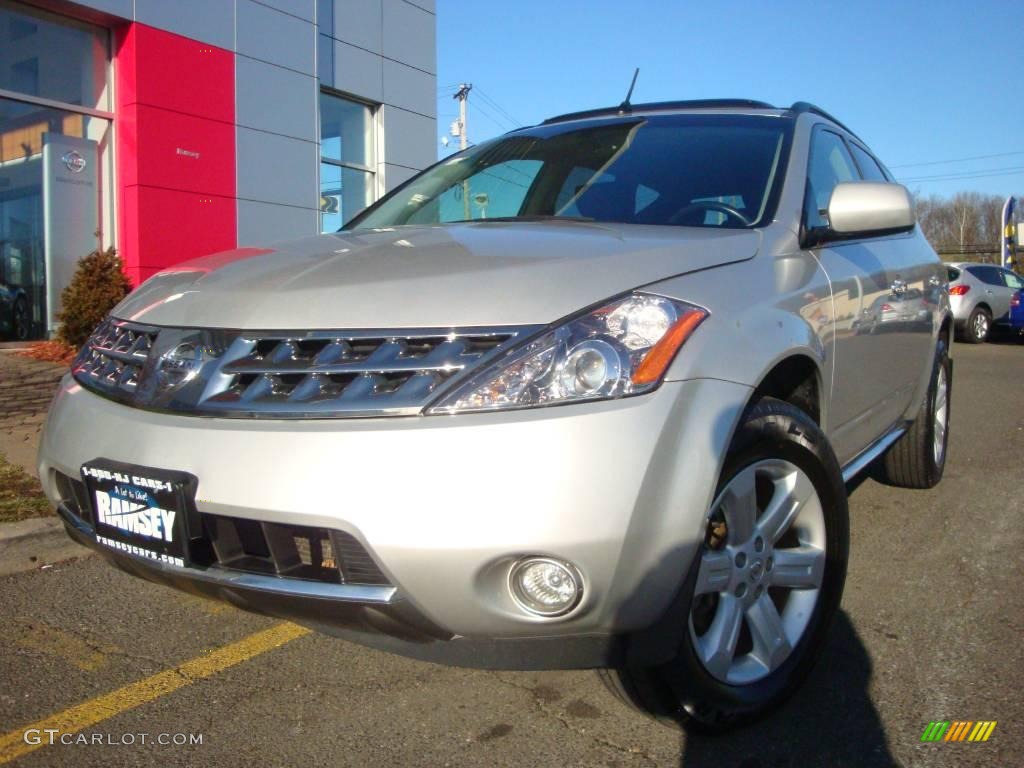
(463, 96)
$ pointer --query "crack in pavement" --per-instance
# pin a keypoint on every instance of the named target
(570, 725)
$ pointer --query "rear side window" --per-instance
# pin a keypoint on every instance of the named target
(869, 167)
(1013, 280)
(830, 164)
(988, 275)
(954, 273)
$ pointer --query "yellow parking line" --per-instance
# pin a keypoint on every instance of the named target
(81, 716)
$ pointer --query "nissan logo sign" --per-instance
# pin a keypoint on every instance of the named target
(73, 161)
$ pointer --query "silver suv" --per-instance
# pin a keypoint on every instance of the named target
(980, 296)
(583, 396)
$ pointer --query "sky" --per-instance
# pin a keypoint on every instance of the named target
(923, 83)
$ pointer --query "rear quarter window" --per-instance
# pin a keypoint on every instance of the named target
(987, 275)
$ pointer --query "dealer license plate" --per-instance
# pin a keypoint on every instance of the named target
(140, 511)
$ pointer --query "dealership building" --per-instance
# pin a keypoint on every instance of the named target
(176, 128)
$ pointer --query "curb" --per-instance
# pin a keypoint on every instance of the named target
(30, 544)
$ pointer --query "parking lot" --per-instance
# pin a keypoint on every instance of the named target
(931, 629)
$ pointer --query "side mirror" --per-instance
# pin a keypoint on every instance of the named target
(869, 207)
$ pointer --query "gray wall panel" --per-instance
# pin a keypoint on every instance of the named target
(427, 5)
(409, 88)
(264, 223)
(269, 35)
(276, 169)
(269, 98)
(395, 175)
(409, 138)
(304, 9)
(212, 21)
(325, 60)
(125, 9)
(358, 22)
(409, 35)
(357, 72)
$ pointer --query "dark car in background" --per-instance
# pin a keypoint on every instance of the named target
(14, 316)
(1017, 312)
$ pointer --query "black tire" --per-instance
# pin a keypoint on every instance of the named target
(19, 320)
(912, 461)
(978, 326)
(682, 691)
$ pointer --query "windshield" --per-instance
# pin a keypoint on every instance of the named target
(719, 171)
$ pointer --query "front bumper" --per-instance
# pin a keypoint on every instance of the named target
(445, 505)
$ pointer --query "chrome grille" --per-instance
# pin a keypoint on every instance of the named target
(286, 374)
(115, 355)
(367, 373)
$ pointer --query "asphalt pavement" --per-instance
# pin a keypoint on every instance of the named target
(931, 628)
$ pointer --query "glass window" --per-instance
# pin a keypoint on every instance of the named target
(684, 170)
(347, 164)
(53, 58)
(830, 164)
(495, 192)
(987, 275)
(344, 192)
(953, 273)
(869, 168)
(25, 132)
(1013, 280)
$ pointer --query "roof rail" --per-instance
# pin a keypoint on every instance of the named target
(800, 107)
(661, 106)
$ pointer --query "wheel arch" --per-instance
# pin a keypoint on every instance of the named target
(796, 379)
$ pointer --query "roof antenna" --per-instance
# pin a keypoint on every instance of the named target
(625, 106)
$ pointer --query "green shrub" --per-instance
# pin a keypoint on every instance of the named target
(98, 285)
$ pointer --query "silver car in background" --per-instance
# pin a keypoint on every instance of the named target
(583, 396)
(980, 295)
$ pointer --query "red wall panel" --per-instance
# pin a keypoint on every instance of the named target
(175, 148)
(184, 152)
(184, 217)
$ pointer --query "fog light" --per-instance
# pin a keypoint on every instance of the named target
(545, 587)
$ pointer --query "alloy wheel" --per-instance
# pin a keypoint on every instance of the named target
(941, 416)
(761, 572)
(980, 327)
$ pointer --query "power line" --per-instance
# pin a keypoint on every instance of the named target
(968, 175)
(501, 123)
(500, 109)
(957, 160)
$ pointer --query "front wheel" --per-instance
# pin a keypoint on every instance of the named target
(765, 584)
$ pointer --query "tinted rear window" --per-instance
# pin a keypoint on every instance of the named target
(954, 273)
(988, 275)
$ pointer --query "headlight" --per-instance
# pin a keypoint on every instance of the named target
(623, 348)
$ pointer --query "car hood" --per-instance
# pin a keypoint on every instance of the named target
(478, 273)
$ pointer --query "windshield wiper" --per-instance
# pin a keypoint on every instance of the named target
(532, 217)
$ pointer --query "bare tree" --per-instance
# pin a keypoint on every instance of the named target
(968, 220)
